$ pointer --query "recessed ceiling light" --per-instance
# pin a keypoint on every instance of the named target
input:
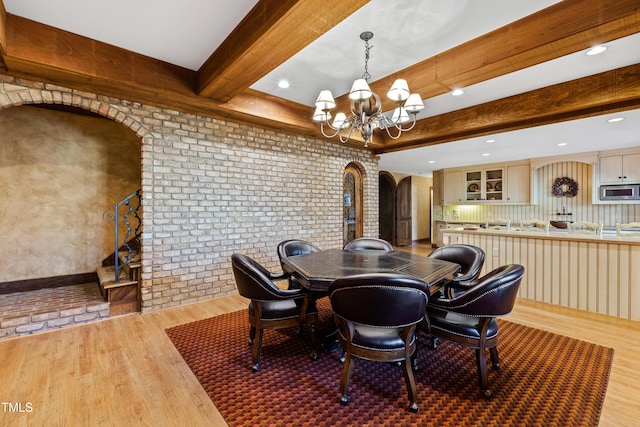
(595, 50)
(283, 84)
(432, 161)
(561, 144)
(486, 154)
(615, 119)
(489, 141)
(457, 92)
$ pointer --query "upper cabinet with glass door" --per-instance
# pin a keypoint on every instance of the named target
(484, 185)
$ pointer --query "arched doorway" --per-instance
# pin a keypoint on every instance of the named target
(352, 203)
(387, 207)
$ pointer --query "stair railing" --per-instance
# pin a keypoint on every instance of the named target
(127, 210)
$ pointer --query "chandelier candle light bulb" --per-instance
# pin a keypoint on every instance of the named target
(366, 108)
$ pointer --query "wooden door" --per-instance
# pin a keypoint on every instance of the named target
(403, 213)
(387, 207)
(352, 203)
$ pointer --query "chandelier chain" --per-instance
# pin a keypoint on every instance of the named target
(366, 74)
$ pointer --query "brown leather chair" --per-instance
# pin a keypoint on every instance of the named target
(377, 316)
(469, 319)
(294, 247)
(470, 258)
(270, 306)
(368, 243)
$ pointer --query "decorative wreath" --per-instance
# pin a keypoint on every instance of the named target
(564, 186)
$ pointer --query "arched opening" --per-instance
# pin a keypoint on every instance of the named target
(62, 166)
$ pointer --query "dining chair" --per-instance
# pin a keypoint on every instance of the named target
(368, 243)
(377, 315)
(270, 306)
(498, 224)
(535, 225)
(470, 259)
(585, 227)
(469, 318)
(631, 229)
(293, 247)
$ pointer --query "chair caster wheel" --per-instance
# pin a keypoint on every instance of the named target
(256, 367)
(434, 343)
(344, 400)
(250, 342)
(486, 393)
(413, 407)
(315, 355)
(496, 367)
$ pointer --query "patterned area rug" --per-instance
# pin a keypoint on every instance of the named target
(544, 380)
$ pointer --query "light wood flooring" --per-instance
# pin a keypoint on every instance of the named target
(124, 371)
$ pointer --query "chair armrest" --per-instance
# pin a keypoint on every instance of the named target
(279, 276)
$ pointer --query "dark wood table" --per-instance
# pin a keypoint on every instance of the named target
(317, 270)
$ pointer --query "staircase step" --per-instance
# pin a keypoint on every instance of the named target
(135, 261)
(106, 277)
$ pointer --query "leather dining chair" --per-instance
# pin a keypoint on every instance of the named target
(471, 260)
(377, 315)
(469, 319)
(270, 306)
(368, 243)
(294, 247)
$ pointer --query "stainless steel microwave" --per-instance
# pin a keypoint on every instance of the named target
(620, 192)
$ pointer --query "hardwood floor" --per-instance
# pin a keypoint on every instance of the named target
(124, 371)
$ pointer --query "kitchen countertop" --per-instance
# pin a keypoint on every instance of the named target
(557, 234)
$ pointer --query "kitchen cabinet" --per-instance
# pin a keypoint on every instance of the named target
(484, 185)
(453, 187)
(498, 183)
(622, 168)
(518, 184)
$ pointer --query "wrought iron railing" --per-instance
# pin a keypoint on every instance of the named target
(125, 213)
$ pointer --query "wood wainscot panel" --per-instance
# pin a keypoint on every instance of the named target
(598, 275)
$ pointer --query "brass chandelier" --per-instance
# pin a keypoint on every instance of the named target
(366, 108)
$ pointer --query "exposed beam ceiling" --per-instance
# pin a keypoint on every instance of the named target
(272, 33)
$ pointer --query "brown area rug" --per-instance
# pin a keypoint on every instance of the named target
(544, 380)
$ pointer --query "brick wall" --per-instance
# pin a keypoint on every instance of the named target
(212, 188)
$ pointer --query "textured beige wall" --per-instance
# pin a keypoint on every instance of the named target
(59, 172)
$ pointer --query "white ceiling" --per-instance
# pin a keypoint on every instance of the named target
(185, 33)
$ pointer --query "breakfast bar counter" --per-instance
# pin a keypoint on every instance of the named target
(600, 274)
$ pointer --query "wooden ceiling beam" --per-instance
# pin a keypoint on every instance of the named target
(607, 92)
(270, 34)
(563, 28)
(42, 53)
